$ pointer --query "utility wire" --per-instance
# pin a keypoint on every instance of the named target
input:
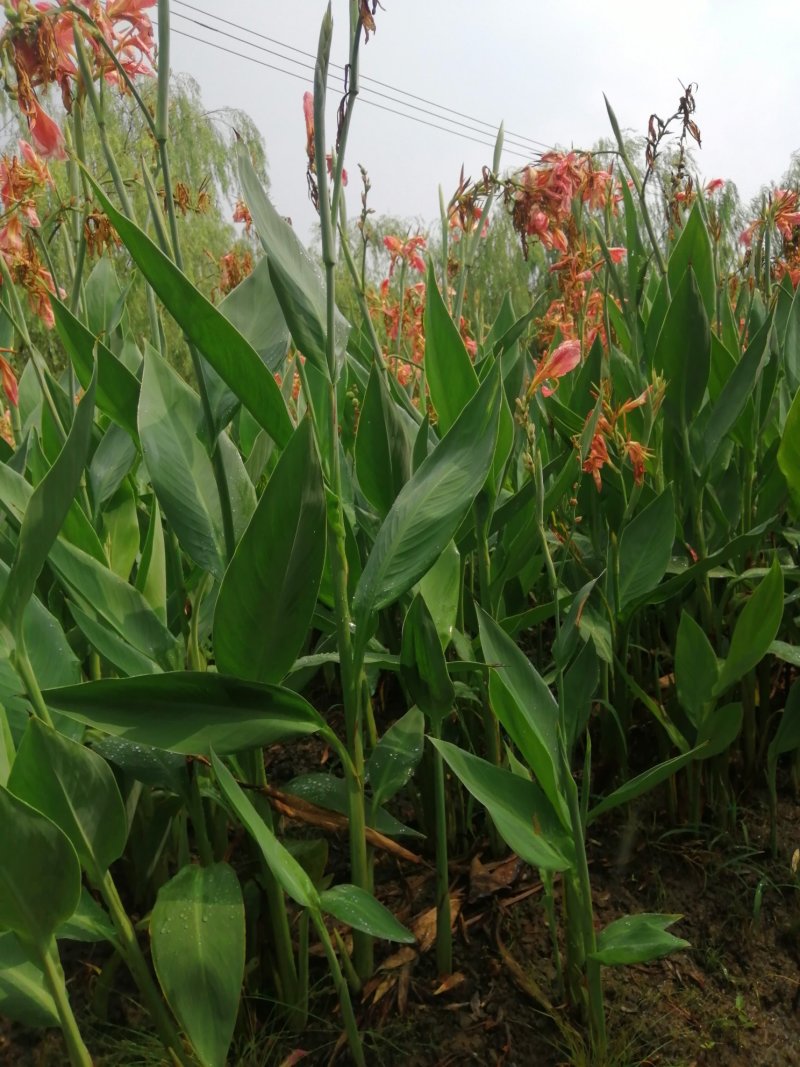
(365, 100)
(528, 144)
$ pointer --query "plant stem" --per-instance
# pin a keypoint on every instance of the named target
(444, 937)
(134, 958)
(342, 990)
(26, 673)
(54, 976)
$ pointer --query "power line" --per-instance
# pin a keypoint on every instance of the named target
(517, 140)
(370, 103)
(310, 66)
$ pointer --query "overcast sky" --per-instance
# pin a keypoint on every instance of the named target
(542, 68)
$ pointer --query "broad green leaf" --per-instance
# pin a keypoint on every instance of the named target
(330, 792)
(787, 736)
(40, 876)
(755, 630)
(287, 871)
(645, 548)
(395, 757)
(297, 282)
(735, 393)
(451, 378)
(121, 531)
(45, 513)
(52, 658)
(423, 667)
(24, 996)
(105, 304)
(151, 766)
(362, 911)
(269, 591)
(89, 923)
(518, 808)
(683, 352)
(644, 782)
(231, 356)
(112, 460)
(170, 427)
(440, 588)
(789, 452)
(151, 575)
(696, 668)
(525, 707)
(189, 712)
(430, 507)
(383, 446)
(719, 729)
(197, 937)
(117, 388)
(637, 939)
(693, 249)
(76, 789)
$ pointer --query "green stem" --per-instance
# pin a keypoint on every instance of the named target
(26, 673)
(134, 958)
(342, 991)
(444, 936)
(54, 976)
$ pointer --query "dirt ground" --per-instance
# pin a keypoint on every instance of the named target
(731, 1000)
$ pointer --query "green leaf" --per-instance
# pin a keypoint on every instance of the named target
(644, 782)
(76, 789)
(735, 393)
(693, 249)
(269, 591)
(755, 630)
(170, 426)
(423, 667)
(644, 549)
(121, 531)
(451, 378)
(362, 911)
(330, 792)
(24, 995)
(197, 936)
(45, 514)
(525, 706)
(440, 588)
(719, 729)
(151, 575)
(429, 509)
(637, 939)
(683, 351)
(297, 283)
(231, 356)
(519, 810)
(189, 712)
(789, 452)
(395, 757)
(696, 668)
(40, 876)
(383, 447)
(88, 923)
(787, 736)
(288, 872)
(117, 388)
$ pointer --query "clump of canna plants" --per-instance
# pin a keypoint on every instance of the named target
(547, 529)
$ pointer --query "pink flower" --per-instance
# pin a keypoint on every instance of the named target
(559, 362)
(46, 133)
(714, 184)
(617, 254)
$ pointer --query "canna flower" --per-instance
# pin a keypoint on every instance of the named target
(559, 362)
(45, 132)
(597, 459)
(713, 185)
(241, 213)
(638, 455)
(9, 382)
(408, 251)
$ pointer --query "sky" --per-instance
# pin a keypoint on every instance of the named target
(542, 68)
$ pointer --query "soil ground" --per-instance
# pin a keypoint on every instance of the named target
(731, 1000)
